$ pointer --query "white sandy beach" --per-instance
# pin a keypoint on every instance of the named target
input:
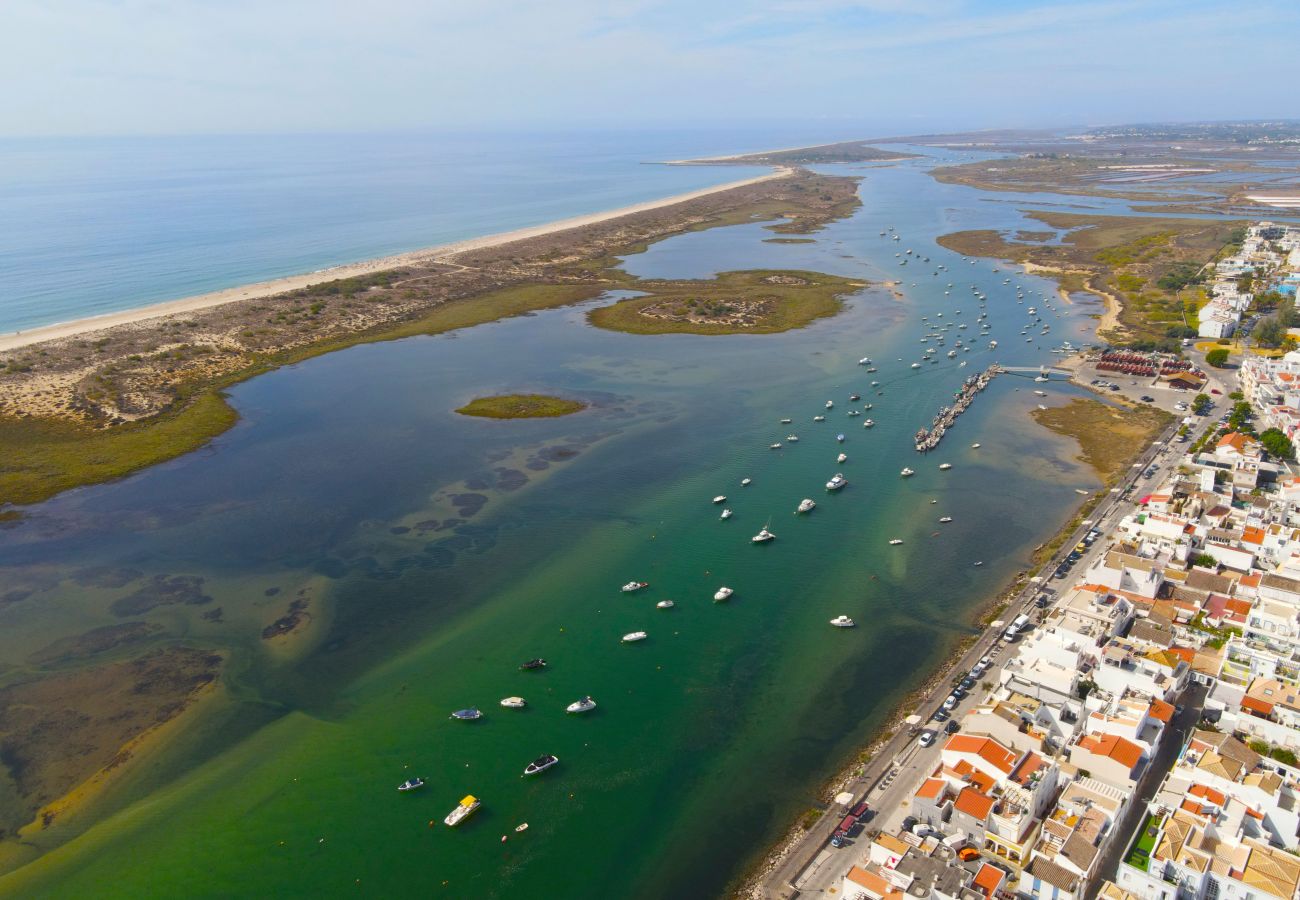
(441, 253)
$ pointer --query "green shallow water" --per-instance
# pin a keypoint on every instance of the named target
(439, 552)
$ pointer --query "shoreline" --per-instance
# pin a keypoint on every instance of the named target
(441, 253)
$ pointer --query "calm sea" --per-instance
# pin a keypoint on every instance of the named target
(91, 226)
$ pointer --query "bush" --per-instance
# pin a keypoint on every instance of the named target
(1218, 357)
(1205, 561)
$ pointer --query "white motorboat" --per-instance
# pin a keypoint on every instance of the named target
(411, 784)
(868, 423)
(842, 622)
(839, 438)
(586, 704)
(974, 446)
(945, 519)
(726, 514)
(763, 536)
(830, 404)
(906, 472)
(467, 715)
(1041, 393)
(786, 421)
(819, 418)
(894, 542)
(463, 810)
(514, 703)
(721, 498)
(944, 467)
(806, 505)
(837, 481)
(635, 586)
(916, 365)
(723, 593)
(633, 636)
(867, 406)
(865, 361)
(541, 764)
(776, 446)
(952, 354)
(745, 482)
(843, 457)
(665, 604)
(792, 438)
(853, 413)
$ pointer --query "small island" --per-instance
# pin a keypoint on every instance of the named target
(752, 302)
(521, 406)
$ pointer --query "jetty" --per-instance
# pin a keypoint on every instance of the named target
(928, 438)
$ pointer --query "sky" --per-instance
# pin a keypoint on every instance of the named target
(881, 66)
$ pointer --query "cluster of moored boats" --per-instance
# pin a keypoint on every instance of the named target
(928, 438)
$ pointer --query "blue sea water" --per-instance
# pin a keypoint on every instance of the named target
(97, 225)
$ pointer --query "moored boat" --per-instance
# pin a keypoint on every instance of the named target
(806, 505)
(634, 586)
(907, 473)
(665, 604)
(633, 636)
(722, 593)
(541, 764)
(839, 438)
(721, 498)
(514, 703)
(843, 457)
(586, 704)
(467, 715)
(837, 481)
(726, 514)
(944, 467)
(411, 784)
(463, 810)
(894, 542)
(763, 536)
(945, 519)
(842, 622)
(538, 663)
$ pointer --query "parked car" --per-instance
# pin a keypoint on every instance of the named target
(860, 810)
(950, 702)
(967, 683)
(952, 727)
(927, 738)
(1146, 399)
(940, 715)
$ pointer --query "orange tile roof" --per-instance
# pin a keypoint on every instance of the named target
(931, 788)
(973, 803)
(1253, 535)
(988, 879)
(1238, 606)
(1263, 707)
(1209, 793)
(1236, 440)
(1161, 711)
(1187, 654)
(873, 883)
(1123, 751)
(1251, 580)
(986, 749)
(1191, 806)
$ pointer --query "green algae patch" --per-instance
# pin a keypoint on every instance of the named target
(751, 302)
(521, 406)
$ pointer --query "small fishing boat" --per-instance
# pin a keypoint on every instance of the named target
(538, 663)
(726, 514)
(869, 423)
(665, 604)
(840, 438)
(1041, 393)
(865, 361)
(763, 536)
(945, 519)
(635, 586)
(523, 826)
(944, 467)
(854, 398)
(916, 365)
(894, 542)
(514, 703)
(721, 498)
(786, 421)
(842, 622)
(411, 784)
(819, 418)
(974, 446)
(980, 563)
(586, 704)
(539, 765)
(907, 473)
(463, 810)
(843, 457)
(792, 438)
(853, 413)
(746, 482)
(806, 505)
(633, 636)
(837, 481)
(830, 404)
(776, 446)
(467, 715)
(722, 593)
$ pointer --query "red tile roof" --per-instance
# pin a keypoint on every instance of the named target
(986, 749)
(974, 804)
(1161, 711)
(1123, 751)
(931, 788)
(988, 879)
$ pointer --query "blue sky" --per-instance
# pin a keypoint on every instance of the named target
(183, 66)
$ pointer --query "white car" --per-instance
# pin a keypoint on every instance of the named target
(950, 702)
(926, 738)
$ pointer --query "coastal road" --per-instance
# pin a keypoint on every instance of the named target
(892, 776)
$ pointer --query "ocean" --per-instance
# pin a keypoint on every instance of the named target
(97, 225)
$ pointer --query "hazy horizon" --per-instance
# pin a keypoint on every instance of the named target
(872, 67)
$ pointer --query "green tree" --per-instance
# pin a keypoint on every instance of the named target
(1239, 418)
(1218, 357)
(1205, 560)
(1269, 333)
(1277, 444)
(1201, 404)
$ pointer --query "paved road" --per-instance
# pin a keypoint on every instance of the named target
(893, 775)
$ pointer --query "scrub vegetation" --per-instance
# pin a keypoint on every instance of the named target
(521, 406)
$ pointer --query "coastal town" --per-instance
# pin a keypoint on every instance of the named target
(1130, 726)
